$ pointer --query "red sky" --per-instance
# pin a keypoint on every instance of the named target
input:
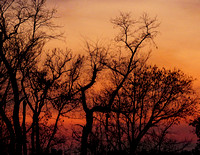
(178, 42)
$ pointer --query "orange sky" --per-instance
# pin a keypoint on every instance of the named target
(178, 42)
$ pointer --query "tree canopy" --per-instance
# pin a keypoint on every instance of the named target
(123, 100)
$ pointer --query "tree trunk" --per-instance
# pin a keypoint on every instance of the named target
(133, 146)
(33, 135)
(54, 132)
(24, 129)
(37, 135)
(13, 79)
(18, 132)
(87, 129)
(119, 132)
(11, 132)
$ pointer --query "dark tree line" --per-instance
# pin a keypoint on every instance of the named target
(128, 106)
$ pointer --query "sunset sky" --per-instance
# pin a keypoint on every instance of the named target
(178, 41)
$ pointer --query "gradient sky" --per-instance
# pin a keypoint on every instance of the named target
(178, 42)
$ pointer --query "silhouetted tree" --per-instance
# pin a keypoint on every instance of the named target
(49, 90)
(22, 38)
(131, 101)
(160, 139)
(133, 35)
(150, 101)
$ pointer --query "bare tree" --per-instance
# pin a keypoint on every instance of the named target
(161, 140)
(50, 91)
(133, 35)
(150, 101)
(67, 96)
(22, 38)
